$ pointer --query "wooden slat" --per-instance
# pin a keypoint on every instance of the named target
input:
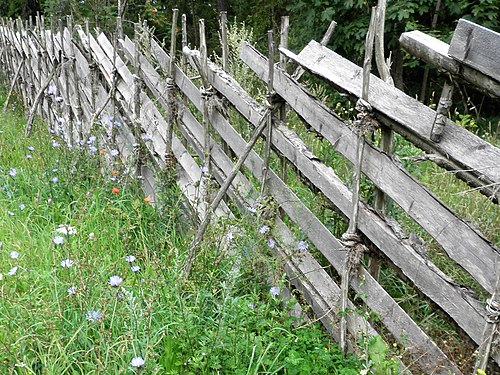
(405, 115)
(458, 238)
(376, 297)
(435, 52)
(477, 47)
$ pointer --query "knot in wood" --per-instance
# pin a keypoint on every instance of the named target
(493, 311)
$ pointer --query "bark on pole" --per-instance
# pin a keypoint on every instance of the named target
(223, 36)
(169, 158)
(285, 24)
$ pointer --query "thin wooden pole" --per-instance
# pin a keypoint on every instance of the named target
(324, 41)
(169, 157)
(270, 104)
(352, 229)
(14, 80)
(490, 330)
(223, 34)
(223, 190)
(69, 131)
(76, 78)
(442, 111)
(137, 103)
(184, 41)
(206, 92)
(285, 24)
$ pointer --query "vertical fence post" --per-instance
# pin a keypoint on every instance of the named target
(270, 106)
(76, 79)
(184, 41)
(350, 239)
(138, 152)
(172, 115)
(285, 24)
(65, 59)
(93, 72)
(223, 35)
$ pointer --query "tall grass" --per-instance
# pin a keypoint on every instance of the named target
(90, 277)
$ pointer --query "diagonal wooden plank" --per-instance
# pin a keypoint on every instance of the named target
(462, 149)
(459, 239)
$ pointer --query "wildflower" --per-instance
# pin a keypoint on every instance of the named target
(135, 268)
(67, 263)
(147, 199)
(66, 229)
(58, 240)
(20, 364)
(147, 137)
(22, 206)
(271, 243)
(137, 362)
(204, 169)
(12, 271)
(58, 99)
(28, 156)
(91, 235)
(129, 258)
(1, 244)
(114, 152)
(91, 139)
(51, 90)
(14, 255)
(54, 179)
(31, 148)
(115, 172)
(115, 190)
(274, 291)
(13, 172)
(93, 316)
(302, 245)
(10, 213)
(263, 229)
(115, 280)
(251, 306)
(55, 144)
(1, 276)
(154, 10)
(71, 290)
(92, 149)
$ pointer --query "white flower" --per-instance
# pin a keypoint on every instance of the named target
(14, 255)
(13, 172)
(72, 290)
(31, 148)
(58, 240)
(115, 280)
(91, 235)
(129, 258)
(55, 144)
(135, 268)
(51, 90)
(93, 149)
(263, 229)
(1, 276)
(137, 362)
(204, 169)
(147, 137)
(28, 156)
(114, 152)
(67, 263)
(12, 271)
(54, 179)
(66, 229)
(10, 213)
(22, 206)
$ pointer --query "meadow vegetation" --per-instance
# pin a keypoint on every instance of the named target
(90, 278)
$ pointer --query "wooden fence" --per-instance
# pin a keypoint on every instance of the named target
(147, 107)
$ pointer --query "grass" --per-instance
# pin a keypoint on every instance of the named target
(109, 296)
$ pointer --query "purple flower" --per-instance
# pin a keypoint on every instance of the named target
(71, 290)
(14, 255)
(54, 179)
(93, 316)
(31, 148)
(135, 268)
(28, 156)
(114, 152)
(115, 281)
(302, 245)
(13, 172)
(55, 144)
(129, 258)
(274, 291)
(271, 243)
(12, 271)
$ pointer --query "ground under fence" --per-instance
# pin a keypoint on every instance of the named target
(147, 106)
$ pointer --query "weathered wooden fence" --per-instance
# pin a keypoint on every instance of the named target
(145, 105)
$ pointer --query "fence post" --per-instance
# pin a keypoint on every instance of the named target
(350, 239)
(172, 105)
(78, 102)
(285, 24)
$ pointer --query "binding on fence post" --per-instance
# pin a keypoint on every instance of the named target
(351, 241)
